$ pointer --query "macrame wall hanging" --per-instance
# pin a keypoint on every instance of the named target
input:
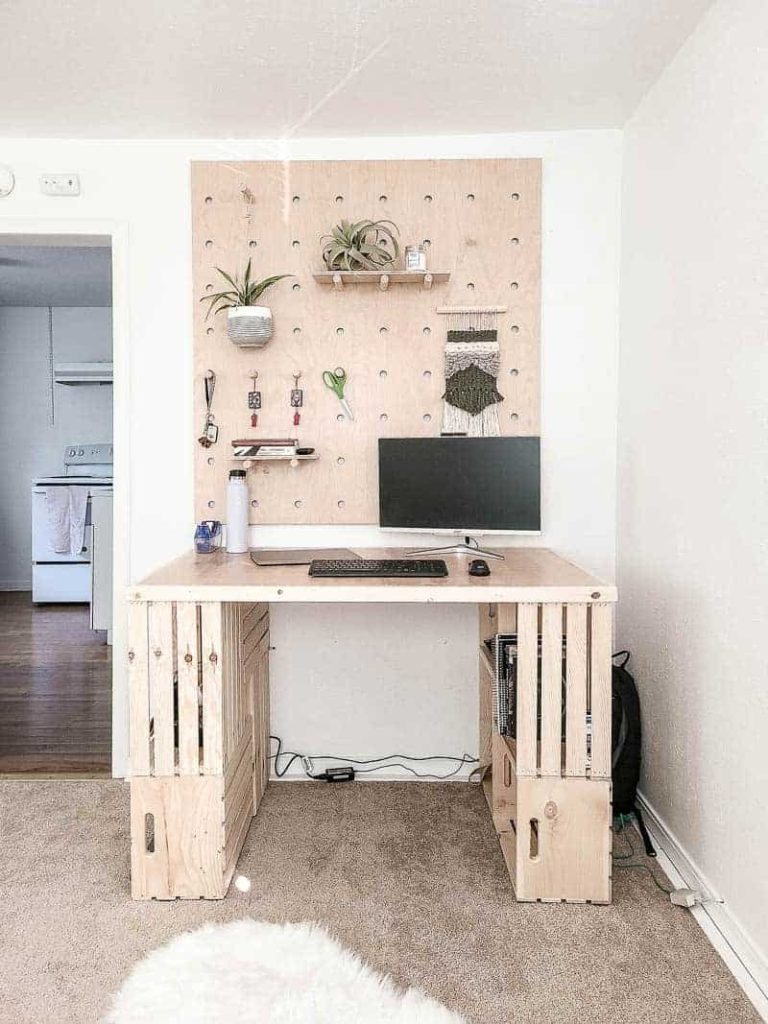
(471, 372)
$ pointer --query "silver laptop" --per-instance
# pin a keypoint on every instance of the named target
(297, 556)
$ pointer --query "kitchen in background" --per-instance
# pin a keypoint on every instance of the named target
(55, 505)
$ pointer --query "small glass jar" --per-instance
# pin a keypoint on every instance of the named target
(415, 258)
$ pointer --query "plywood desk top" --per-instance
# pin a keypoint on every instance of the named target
(526, 574)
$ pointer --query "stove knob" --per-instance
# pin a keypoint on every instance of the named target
(80, 451)
(71, 453)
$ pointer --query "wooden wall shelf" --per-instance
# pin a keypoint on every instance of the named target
(340, 278)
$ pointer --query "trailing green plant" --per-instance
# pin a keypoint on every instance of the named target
(364, 245)
(244, 291)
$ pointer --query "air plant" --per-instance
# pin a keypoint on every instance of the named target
(244, 291)
(365, 245)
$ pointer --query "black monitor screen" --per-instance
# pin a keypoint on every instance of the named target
(459, 483)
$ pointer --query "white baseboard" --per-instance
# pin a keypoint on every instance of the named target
(741, 957)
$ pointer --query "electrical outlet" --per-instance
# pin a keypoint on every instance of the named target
(60, 185)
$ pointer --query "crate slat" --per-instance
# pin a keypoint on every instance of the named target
(527, 687)
(551, 689)
(188, 687)
(138, 687)
(600, 682)
(212, 649)
(576, 690)
(161, 669)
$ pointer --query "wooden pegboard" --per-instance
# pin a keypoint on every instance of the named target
(481, 220)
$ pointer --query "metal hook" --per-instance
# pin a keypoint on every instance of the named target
(296, 378)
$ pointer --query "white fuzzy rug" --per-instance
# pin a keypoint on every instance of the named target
(251, 972)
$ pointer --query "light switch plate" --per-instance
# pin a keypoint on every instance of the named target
(7, 181)
(60, 185)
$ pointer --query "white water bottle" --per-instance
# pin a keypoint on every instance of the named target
(237, 512)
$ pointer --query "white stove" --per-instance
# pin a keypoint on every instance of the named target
(67, 577)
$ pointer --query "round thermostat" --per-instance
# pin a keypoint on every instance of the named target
(7, 181)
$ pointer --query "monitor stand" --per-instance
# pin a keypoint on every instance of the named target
(469, 547)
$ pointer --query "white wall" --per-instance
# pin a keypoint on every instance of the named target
(693, 449)
(31, 444)
(146, 185)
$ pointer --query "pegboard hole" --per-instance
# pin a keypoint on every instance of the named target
(426, 330)
(341, 503)
(254, 503)
(208, 200)
(383, 330)
(298, 503)
(297, 330)
(209, 287)
(514, 241)
(383, 418)
(339, 199)
(428, 198)
(209, 330)
(514, 372)
(514, 285)
(211, 461)
(341, 417)
(339, 330)
(296, 199)
(427, 375)
(514, 416)
(340, 460)
(427, 417)
(471, 285)
(515, 196)
(426, 242)
(471, 197)
(211, 504)
(382, 199)
(295, 243)
(252, 244)
(383, 374)
(297, 287)
(208, 243)
(515, 329)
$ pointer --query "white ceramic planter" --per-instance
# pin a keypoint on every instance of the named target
(249, 326)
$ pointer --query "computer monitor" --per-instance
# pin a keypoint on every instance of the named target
(460, 484)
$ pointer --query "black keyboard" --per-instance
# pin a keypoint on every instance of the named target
(383, 568)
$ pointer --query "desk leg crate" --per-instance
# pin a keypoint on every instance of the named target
(549, 785)
(199, 742)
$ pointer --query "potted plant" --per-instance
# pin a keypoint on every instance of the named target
(364, 245)
(248, 325)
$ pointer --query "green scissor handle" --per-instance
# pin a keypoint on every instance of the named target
(335, 380)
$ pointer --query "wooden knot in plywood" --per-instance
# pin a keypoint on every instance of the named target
(188, 658)
(550, 809)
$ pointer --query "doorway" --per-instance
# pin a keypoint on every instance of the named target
(56, 514)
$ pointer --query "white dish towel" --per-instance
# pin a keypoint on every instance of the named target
(66, 508)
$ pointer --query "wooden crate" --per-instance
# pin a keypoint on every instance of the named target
(549, 789)
(199, 742)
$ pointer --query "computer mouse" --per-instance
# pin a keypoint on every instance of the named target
(479, 567)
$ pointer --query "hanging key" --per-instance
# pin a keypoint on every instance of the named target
(297, 399)
(254, 396)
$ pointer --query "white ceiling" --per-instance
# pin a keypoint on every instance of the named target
(252, 69)
(55, 275)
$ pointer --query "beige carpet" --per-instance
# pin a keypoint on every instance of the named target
(409, 876)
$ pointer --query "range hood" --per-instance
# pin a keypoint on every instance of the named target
(82, 373)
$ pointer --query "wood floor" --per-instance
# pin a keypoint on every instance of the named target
(55, 690)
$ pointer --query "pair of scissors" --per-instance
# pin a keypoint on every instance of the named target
(336, 380)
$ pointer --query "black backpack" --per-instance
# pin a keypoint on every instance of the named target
(626, 744)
